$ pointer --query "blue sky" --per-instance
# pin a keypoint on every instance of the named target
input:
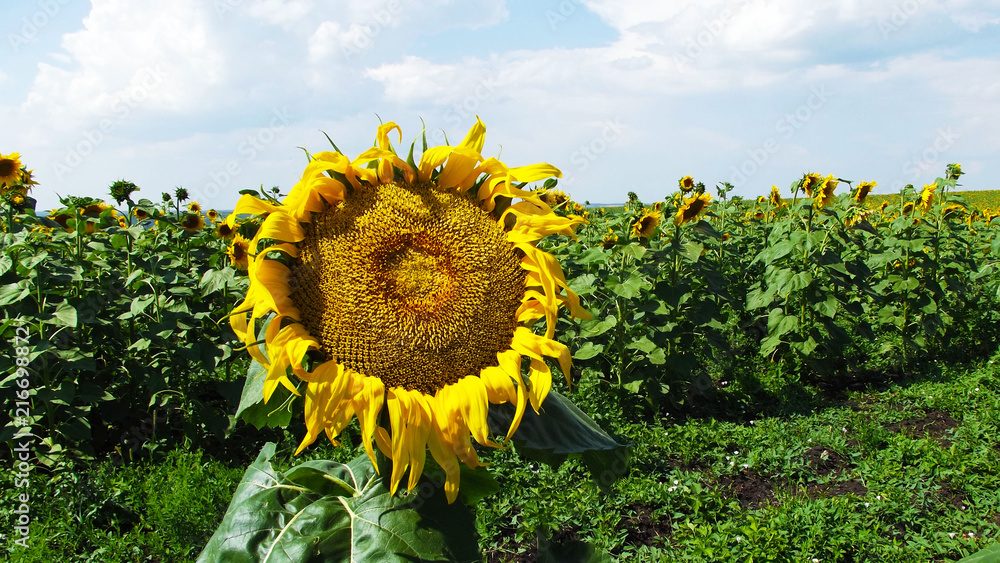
(623, 95)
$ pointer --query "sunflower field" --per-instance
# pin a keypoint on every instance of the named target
(805, 376)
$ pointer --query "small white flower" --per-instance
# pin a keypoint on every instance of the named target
(951, 535)
(727, 458)
(737, 452)
(971, 535)
(815, 560)
(809, 440)
(738, 539)
(676, 482)
(867, 504)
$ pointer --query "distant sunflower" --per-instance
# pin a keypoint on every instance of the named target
(212, 215)
(686, 184)
(864, 188)
(927, 197)
(194, 207)
(239, 252)
(823, 193)
(192, 222)
(692, 208)
(908, 208)
(10, 169)
(775, 197)
(226, 229)
(415, 290)
(140, 213)
(810, 182)
(646, 224)
(610, 240)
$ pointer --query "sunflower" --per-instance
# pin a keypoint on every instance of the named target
(238, 252)
(409, 286)
(192, 222)
(140, 213)
(610, 240)
(810, 182)
(908, 208)
(864, 188)
(554, 197)
(824, 192)
(692, 208)
(10, 169)
(686, 184)
(927, 197)
(646, 224)
(212, 215)
(775, 197)
(882, 208)
(194, 207)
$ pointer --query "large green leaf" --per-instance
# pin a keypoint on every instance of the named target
(988, 555)
(325, 511)
(562, 430)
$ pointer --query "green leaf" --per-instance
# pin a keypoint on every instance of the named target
(587, 351)
(66, 314)
(561, 430)
(5, 264)
(276, 413)
(988, 555)
(629, 288)
(325, 511)
(692, 250)
(589, 329)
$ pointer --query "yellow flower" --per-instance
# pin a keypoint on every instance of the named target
(17, 198)
(927, 197)
(686, 184)
(810, 182)
(646, 224)
(864, 188)
(140, 214)
(194, 207)
(824, 193)
(10, 169)
(692, 208)
(192, 222)
(212, 215)
(414, 292)
(610, 240)
(226, 229)
(775, 197)
(908, 208)
(554, 197)
(239, 252)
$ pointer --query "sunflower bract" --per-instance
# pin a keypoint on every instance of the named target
(416, 292)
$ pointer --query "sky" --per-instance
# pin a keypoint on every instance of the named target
(217, 96)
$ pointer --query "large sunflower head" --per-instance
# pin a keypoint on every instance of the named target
(411, 286)
(10, 169)
(810, 182)
(692, 208)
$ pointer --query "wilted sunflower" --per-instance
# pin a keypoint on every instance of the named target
(646, 224)
(239, 252)
(10, 169)
(692, 208)
(192, 222)
(864, 188)
(927, 197)
(686, 184)
(407, 286)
